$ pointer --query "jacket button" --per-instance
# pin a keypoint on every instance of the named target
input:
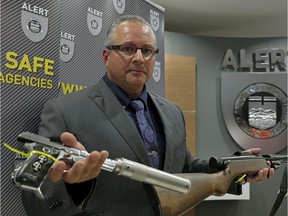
(55, 205)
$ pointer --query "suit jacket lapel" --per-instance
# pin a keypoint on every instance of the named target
(164, 116)
(109, 104)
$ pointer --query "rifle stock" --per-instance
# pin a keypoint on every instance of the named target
(203, 185)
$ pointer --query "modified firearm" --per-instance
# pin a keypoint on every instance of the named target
(177, 193)
(42, 153)
(232, 168)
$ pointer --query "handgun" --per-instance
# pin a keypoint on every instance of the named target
(30, 174)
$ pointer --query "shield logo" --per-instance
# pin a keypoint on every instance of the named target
(119, 6)
(66, 49)
(255, 108)
(262, 111)
(157, 72)
(34, 26)
(154, 22)
(94, 24)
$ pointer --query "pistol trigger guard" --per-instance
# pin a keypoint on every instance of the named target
(68, 161)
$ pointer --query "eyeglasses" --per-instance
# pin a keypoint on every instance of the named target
(131, 50)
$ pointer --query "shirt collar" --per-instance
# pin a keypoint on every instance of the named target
(123, 98)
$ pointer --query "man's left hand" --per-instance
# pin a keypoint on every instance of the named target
(263, 174)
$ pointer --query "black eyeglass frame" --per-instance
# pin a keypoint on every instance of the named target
(117, 47)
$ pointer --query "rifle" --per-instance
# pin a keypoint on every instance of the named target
(203, 184)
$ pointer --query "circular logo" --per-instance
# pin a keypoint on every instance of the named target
(94, 24)
(260, 110)
(157, 71)
(156, 74)
(65, 49)
(154, 22)
(119, 5)
(34, 26)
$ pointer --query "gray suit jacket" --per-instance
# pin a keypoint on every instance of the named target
(98, 120)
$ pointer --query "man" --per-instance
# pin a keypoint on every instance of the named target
(101, 117)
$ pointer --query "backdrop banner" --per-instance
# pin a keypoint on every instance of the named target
(52, 48)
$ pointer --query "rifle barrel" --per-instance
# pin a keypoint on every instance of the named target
(275, 157)
(221, 163)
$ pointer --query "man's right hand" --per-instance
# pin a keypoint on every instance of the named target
(82, 170)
